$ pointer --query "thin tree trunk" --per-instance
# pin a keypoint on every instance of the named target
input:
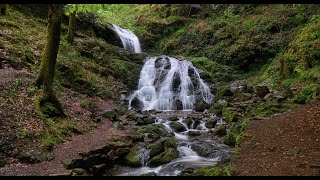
(71, 29)
(49, 59)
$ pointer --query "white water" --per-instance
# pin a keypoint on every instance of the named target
(188, 158)
(167, 83)
(129, 40)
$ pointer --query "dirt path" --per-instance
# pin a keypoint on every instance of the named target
(287, 144)
(70, 149)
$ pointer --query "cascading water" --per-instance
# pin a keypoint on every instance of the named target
(167, 83)
(129, 40)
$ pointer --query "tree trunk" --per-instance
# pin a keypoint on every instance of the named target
(71, 29)
(49, 59)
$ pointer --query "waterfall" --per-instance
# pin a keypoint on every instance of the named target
(129, 40)
(167, 83)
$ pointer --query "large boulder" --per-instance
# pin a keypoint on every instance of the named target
(178, 127)
(164, 157)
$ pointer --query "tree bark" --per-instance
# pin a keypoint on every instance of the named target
(45, 77)
(71, 29)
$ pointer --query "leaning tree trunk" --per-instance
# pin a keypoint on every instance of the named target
(71, 29)
(49, 59)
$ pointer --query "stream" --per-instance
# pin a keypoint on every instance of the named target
(173, 88)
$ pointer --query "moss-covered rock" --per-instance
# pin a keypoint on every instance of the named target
(220, 130)
(170, 143)
(165, 157)
(194, 133)
(156, 149)
(132, 158)
(178, 127)
(188, 121)
(211, 123)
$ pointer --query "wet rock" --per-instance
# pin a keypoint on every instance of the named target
(149, 174)
(146, 120)
(201, 106)
(173, 118)
(165, 157)
(179, 105)
(132, 158)
(262, 91)
(202, 149)
(79, 171)
(170, 143)
(176, 82)
(196, 123)
(178, 127)
(98, 170)
(188, 121)
(136, 104)
(156, 149)
(194, 133)
(211, 123)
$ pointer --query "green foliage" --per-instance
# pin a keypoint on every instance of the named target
(210, 171)
(307, 93)
(82, 8)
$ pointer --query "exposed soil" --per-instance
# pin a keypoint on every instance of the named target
(18, 116)
(286, 144)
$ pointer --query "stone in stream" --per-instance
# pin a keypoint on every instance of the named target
(149, 174)
(164, 157)
(188, 122)
(211, 123)
(178, 127)
(194, 133)
(132, 158)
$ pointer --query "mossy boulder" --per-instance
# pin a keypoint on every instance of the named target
(170, 143)
(211, 123)
(156, 149)
(188, 121)
(194, 133)
(132, 158)
(178, 127)
(201, 106)
(220, 130)
(165, 157)
(146, 120)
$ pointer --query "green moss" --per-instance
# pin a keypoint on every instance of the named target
(165, 157)
(170, 143)
(132, 158)
(307, 93)
(156, 149)
(230, 114)
(209, 171)
(220, 130)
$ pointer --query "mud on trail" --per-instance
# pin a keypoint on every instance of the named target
(286, 144)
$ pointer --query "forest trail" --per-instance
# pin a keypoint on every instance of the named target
(286, 144)
(67, 150)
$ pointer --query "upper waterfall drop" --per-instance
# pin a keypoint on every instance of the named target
(167, 83)
(129, 40)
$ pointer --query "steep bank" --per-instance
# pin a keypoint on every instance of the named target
(90, 78)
